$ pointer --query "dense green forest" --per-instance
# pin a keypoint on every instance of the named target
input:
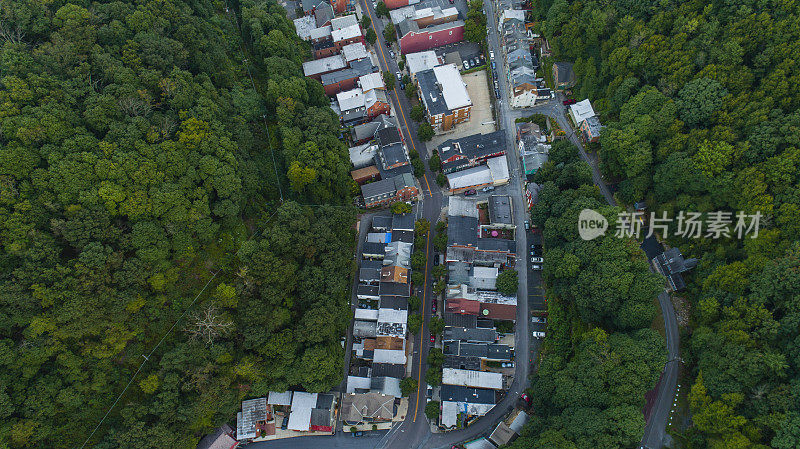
(700, 102)
(141, 168)
(600, 356)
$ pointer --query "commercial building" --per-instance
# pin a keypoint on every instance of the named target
(421, 61)
(469, 151)
(415, 39)
(494, 173)
(445, 97)
(581, 111)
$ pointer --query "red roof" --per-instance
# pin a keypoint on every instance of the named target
(463, 306)
(499, 311)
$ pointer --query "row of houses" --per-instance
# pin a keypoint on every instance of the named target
(426, 24)
(525, 89)
(380, 322)
(286, 414)
(476, 369)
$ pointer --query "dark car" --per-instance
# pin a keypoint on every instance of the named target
(285, 422)
(497, 93)
(470, 192)
(435, 260)
(569, 101)
(494, 73)
(402, 86)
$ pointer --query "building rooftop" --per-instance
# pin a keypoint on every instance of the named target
(329, 64)
(403, 222)
(458, 319)
(469, 334)
(423, 60)
(498, 352)
(351, 99)
(498, 166)
(457, 393)
(348, 32)
(279, 398)
(382, 222)
(581, 110)
(368, 329)
(304, 25)
(471, 177)
(367, 407)
(462, 231)
(459, 206)
(367, 290)
(394, 289)
(442, 89)
(390, 356)
(476, 146)
(367, 130)
(393, 154)
(371, 81)
(373, 248)
(393, 302)
(320, 32)
(253, 411)
(388, 370)
(354, 51)
(500, 210)
(344, 21)
(475, 379)
(377, 188)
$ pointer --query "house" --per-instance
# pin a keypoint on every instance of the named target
(382, 223)
(376, 103)
(222, 438)
(363, 133)
(347, 35)
(496, 311)
(402, 222)
(531, 145)
(255, 413)
(323, 48)
(590, 129)
(484, 278)
(316, 68)
(563, 76)
(367, 292)
(462, 231)
(303, 27)
(365, 174)
(403, 236)
(502, 434)
(369, 275)
(424, 15)
(321, 35)
(340, 6)
(415, 39)
(393, 302)
(371, 81)
(469, 334)
(365, 329)
(421, 61)
(464, 400)
(501, 214)
(581, 111)
(398, 254)
(469, 151)
(672, 264)
(394, 289)
(498, 166)
(363, 155)
(394, 274)
(445, 97)
(354, 52)
(346, 79)
(367, 408)
(475, 379)
(387, 191)
(391, 329)
(344, 21)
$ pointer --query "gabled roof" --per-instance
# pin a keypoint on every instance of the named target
(378, 188)
(367, 406)
(351, 99)
(393, 302)
(581, 110)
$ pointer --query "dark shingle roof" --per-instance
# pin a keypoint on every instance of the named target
(457, 319)
(402, 222)
(465, 334)
(394, 302)
(393, 289)
(403, 236)
(372, 248)
(388, 370)
(475, 146)
(388, 136)
(457, 393)
(382, 222)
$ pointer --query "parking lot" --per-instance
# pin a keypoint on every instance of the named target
(481, 120)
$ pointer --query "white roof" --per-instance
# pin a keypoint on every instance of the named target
(468, 378)
(366, 314)
(338, 23)
(362, 155)
(276, 398)
(458, 206)
(371, 81)
(391, 387)
(395, 356)
(581, 110)
(323, 65)
(507, 14)
(304, 25)
(485, 272)
(449, 413)
(350, 99)
(392, 316)
(454, 90)
(319, 33)
(300, 419)
(474, 176)
(354, 51)
(499, 168)
(400, 14)
(354, 382)
(519, 422)
(346, 33)
(303, 400)
(420, 61)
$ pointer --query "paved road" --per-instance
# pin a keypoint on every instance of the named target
(415, 428)
(341, 440)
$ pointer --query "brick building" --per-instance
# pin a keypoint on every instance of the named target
(445, 96)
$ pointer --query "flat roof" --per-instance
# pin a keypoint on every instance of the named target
(462, 231)
(371, 81)
(581, 110)
(348, 32)
(454, 90)
(354, 51)
(459, 206)
(500, 209)
(323, 65)
(468, 378)
(498, 166)
(423, 60)
(471, 177)
(279, 398)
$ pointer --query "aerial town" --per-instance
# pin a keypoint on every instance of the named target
(399, 224)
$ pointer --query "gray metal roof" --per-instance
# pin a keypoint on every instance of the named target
(403, 222)
(382, 222)
(457, 393)
(492, 244)
(475, 146)
(377, 188)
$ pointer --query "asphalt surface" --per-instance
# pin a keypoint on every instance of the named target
(341, 440)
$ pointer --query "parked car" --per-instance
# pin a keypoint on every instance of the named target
(525, 398)
(402, 86)
(507, 365)
(538, 319)
(433, 338)
(487, 189)
(527, 224)
(399, 76)
(494, 73)
(466, 64)
(491, 56)
(497, 93)
(391, 53)
(536, 267)
(435, 260)
(285, 422)
(476, 61)
(470, 192)
(537, 334)
(537, 260)
(358, 434)
(493, 65)
(569, 101)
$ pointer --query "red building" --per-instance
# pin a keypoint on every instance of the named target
(393, 4)
(415, 39)
(339, 6)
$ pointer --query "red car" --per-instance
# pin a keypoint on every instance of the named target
(525, 398)
(569, 101)
(470, 192)
(433, 338)
(433, 306)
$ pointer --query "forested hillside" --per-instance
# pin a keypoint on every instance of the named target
(701, 103)
(600, 356)
(137, 174)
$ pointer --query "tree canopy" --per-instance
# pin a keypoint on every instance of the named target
(142, 173)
